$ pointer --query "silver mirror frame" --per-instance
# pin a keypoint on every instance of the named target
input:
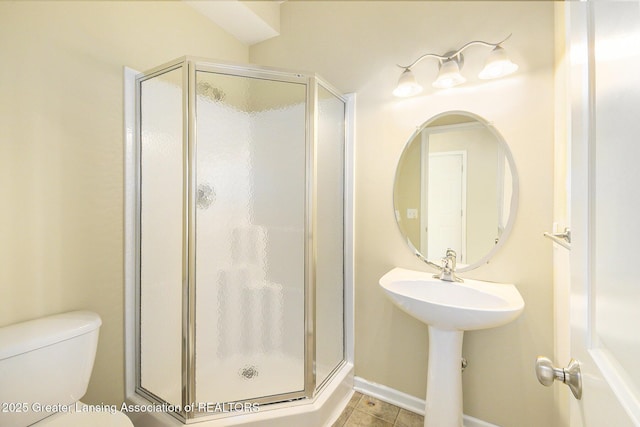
(514, 194)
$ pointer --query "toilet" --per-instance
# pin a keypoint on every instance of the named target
(45, 366)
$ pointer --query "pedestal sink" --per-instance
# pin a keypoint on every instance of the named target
(449, 309)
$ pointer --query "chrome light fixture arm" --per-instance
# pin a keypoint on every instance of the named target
(478, 42)
(440, 58)
(454, 55)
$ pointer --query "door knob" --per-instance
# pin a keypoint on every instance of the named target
(571, 376)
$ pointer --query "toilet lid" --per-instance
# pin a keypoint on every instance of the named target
(86, 419)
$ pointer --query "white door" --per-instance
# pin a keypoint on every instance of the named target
(605, 211)
(446, 201)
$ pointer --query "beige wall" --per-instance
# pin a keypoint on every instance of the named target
(355, 46)
(61, 153)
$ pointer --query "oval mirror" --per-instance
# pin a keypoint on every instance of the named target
(456, 187)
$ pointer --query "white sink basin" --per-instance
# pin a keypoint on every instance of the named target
(452, 305)
(449, 309)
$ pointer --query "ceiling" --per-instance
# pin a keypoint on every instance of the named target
(250, 22)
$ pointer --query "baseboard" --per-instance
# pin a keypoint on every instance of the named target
(405, 401)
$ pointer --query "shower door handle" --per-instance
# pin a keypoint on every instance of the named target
(571, 375)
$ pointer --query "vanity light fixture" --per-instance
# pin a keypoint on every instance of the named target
(497, 65)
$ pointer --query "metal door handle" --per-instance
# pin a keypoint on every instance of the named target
(571, 376)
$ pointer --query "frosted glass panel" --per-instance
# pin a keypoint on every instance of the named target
(330, 234)
(250, 237)
(161, 196)
(617, 175)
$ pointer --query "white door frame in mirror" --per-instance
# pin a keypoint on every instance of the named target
(457, 176)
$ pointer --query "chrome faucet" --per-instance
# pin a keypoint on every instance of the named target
(448, 272)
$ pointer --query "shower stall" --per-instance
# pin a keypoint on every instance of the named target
(239, 278)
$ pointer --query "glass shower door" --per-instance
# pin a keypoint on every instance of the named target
(251, 186)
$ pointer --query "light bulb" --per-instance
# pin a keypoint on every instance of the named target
(449, 75)
(498, 65)
(407, 85)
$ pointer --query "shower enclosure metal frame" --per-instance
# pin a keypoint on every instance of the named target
(312, 83)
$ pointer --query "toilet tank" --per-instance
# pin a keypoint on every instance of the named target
(46, 361)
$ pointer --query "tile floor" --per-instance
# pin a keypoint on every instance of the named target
(366, 411)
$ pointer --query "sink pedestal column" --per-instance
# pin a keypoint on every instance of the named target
(444, 379)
